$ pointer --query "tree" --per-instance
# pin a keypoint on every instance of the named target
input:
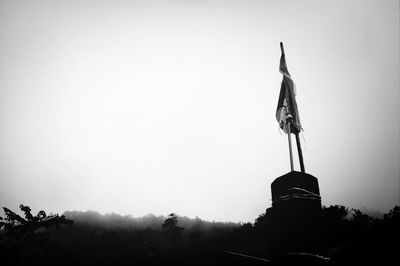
(19, 228)
(393, 214)
(170, 223)
(360, 219)
(335, 213)
(171, 229)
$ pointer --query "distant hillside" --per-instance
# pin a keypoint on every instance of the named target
(115, 221)
(341, 236)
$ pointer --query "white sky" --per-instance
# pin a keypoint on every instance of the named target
(169, 106)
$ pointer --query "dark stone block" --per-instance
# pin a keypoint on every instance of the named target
(294, 183)
(295, 214)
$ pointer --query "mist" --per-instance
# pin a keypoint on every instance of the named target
(115, 222)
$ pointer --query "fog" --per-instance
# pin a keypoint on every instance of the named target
(115, 221)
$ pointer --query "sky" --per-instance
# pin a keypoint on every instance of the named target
(138, 107)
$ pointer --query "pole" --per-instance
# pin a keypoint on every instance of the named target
(296, 133)
(288, 128)
(300, 153)
(290, 147)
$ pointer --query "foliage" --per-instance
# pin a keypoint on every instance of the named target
(16, 227)
(394, 214)
(335, 213)
(172, 232)
(170, 224)
(345, 235)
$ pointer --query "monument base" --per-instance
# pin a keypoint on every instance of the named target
(296, 211)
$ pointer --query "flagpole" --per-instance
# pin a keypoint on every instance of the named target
(288, 128)
(300, 153)
(290, 147)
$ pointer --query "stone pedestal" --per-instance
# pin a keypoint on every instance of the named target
(296, 210)
(296, 192)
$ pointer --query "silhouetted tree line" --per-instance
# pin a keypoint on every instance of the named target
(89, 238)
(21, 238)
(342, 234)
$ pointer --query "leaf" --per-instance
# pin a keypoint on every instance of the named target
(12, 217)
(27, 212)
(41, 215)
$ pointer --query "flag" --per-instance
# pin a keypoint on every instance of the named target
(287, 107)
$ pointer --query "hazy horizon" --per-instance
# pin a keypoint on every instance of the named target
(138, 107)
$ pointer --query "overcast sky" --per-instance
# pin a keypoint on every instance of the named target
(140, 107)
